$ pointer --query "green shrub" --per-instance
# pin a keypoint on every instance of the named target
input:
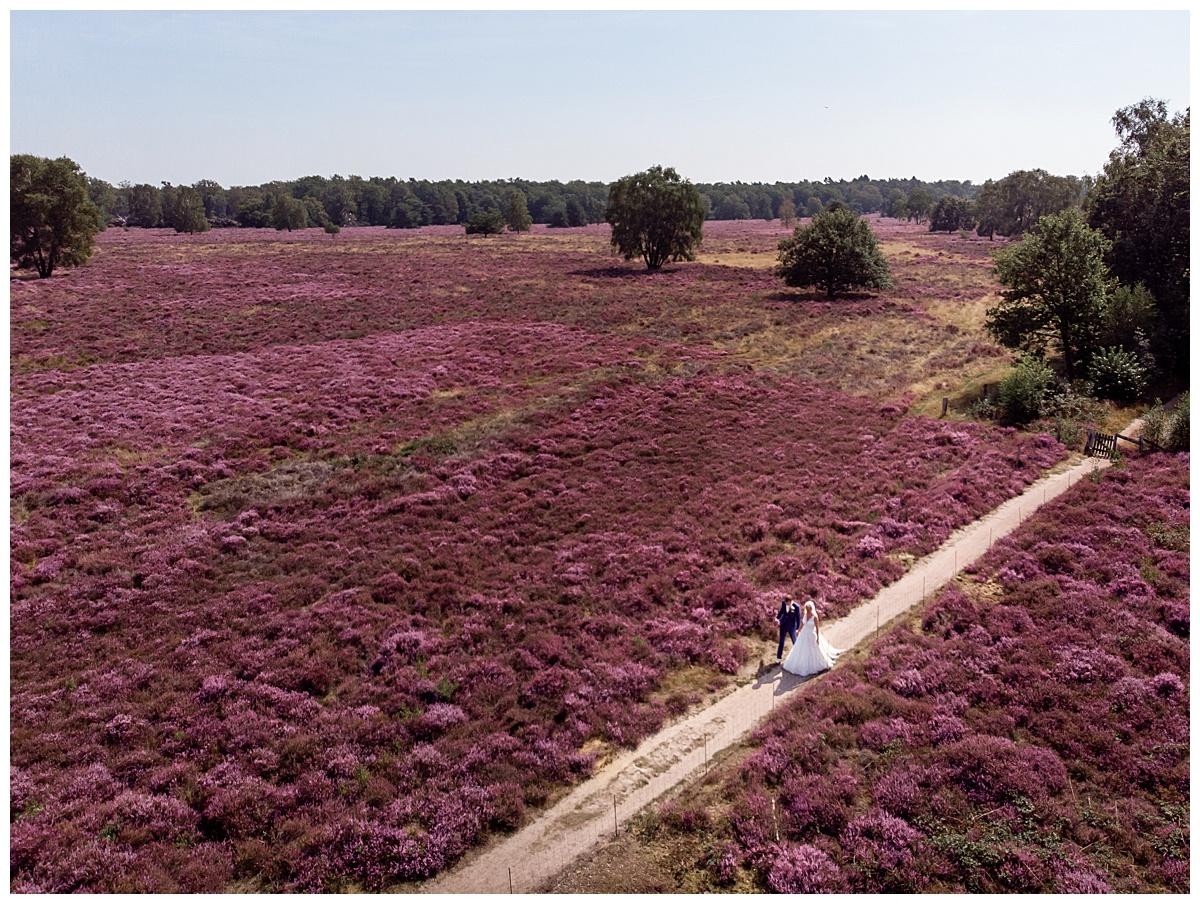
(1073, 402)
(1068, 432)
(1181, 433)
(1117, 374)
(485, 222)
(1170, 430)
(1129, 317)
(982, 409)
(1023, 392)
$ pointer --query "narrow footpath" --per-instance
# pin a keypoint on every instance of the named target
(526, 860)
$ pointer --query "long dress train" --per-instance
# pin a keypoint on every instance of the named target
(809, 654)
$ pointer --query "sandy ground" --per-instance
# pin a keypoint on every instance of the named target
(528, 859)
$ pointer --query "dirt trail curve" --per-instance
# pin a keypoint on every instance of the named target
(526, 860)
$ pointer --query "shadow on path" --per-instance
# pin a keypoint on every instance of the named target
(783, 682)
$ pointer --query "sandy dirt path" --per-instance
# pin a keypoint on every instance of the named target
(526, 860)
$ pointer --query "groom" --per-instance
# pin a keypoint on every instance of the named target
(789, 623)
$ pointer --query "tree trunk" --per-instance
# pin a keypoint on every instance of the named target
(1064, 338)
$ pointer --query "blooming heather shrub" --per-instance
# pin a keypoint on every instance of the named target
(684, 817)
(996, 770)
(880, 733)
(1080, 882)
(804, 869)
(945, 728)
(752, 823)
(883, 850)
(724, 860)
(816, 803)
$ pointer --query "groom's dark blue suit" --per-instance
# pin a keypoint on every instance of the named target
(789, 624)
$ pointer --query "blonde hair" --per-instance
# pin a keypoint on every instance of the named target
(809, 604)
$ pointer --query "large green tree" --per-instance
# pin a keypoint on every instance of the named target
(836, 252)
(657, 215)
(1013, 204)
(1141, 202)
(516, 212)
(1056, 287)
(53, 222)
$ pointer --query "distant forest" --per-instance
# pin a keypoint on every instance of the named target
(399, 203)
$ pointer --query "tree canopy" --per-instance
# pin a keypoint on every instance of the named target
(186, 212)
(1013, 204)
(288, 213)
(656, 215)
(53, 221)
(485, 222)
(516, 212)
(836, 252)
(1056, 289)
(1141, 202)
(919, 204)
(951, 214)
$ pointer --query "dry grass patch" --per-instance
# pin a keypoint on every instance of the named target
(753, 260)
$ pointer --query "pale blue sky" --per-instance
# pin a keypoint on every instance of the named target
(244, 98)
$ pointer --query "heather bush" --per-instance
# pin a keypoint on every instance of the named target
(804, 869)
(883, 851)
(724, 860)
(816, 803)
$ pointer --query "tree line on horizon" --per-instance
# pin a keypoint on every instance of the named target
(315, 201)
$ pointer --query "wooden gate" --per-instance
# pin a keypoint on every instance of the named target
(1101, 445)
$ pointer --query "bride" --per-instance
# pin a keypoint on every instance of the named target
(811, 653)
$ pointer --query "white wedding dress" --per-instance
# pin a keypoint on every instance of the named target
(809, 654)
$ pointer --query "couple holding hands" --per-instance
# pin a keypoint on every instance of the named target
(811, 653)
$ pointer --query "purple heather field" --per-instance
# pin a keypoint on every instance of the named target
(332, 559)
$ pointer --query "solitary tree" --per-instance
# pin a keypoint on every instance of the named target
(837, 251)
(516, 212)
(655, 214)
(1056, 286)
(53, 221)
(485, 222)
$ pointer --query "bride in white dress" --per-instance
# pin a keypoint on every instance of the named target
(811, 652)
